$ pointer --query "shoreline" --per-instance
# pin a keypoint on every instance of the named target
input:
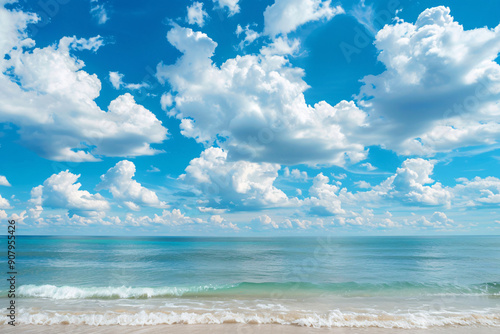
(239, 329)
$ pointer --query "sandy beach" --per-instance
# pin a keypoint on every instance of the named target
(237, 329)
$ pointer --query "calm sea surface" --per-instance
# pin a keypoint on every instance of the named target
(403, 282)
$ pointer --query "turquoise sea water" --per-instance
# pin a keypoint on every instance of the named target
(404, 282)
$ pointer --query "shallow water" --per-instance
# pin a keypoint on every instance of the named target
(386, 282)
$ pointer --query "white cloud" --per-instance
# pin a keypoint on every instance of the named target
(339, 176)
(295, 174)
(281, 46)
(267, 221)
(285, 16)
(324, 197)
(478, 190)
(254, 107)
(48, 96)
(231, 5)
(368, 166)
(234, 184)
(410, 181)
(441, 87)
(250, 35)
(120, 183)
(98, 11)
(170, 218)
(166, 101)
(4, 203)
(196, 14)
(365, 14)
(4, 181)
(60, 191)
(153, 169)
(116, 79)
(437, 220)
(13, 25)
(363, 184)
(174, 219)
(411, 184)
(221, 222)
(205, 209)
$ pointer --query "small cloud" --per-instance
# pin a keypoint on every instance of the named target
(295, 174)
(98, 12)
(3, 181)
(249, 35)
(196, 14)
(4, 203)
(281, 46)
(232, 5)
(339, 177)
(116, 79)
(153, 169)
(365, 15)
(368, 166)
(363, 184)
(211, 210)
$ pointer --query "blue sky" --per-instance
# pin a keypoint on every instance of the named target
(234, 117)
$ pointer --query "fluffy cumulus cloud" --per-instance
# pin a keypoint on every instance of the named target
(62, 191)
(196, 14)
(231, 5)
(285, 16)
(479, 191)
(234, 184)
(295, 174)
(254, 107)
(411, 184)
(48, 96)
(441, 87)
(324, 197)
(120, 183)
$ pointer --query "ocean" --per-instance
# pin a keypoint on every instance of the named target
(385, 282)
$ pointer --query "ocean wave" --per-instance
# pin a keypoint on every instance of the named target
(331, 319)
(123, 292)
(272, 290)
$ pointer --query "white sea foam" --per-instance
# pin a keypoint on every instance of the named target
(331, 319)
(69, 292)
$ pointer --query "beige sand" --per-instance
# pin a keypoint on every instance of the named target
(236, 329)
